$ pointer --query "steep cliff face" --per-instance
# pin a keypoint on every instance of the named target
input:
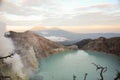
(41, 46)
(111, 45)
(32, 48)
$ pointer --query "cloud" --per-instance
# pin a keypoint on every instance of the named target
(23, 17)
(103, 8)
(9, 7)
(57, 39)
(35, 2)
(104, 5)
(59, 13)
(86, 19)
(12, 8)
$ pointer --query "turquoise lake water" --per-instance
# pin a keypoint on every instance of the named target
(64, 65)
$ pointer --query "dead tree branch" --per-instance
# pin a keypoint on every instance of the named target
(10, 55)
(85, 77)
(117, 75)
(74, 77)
(102, 70)
(5, 78)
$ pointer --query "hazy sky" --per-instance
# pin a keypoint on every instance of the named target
(73, 15)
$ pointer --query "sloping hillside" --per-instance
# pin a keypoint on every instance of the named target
(110, 45)
(32, 47)
(41, 45)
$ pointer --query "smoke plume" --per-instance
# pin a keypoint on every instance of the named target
(6, 47)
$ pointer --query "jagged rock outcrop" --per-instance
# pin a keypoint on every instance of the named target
(111, 45)
(32, 47)
(6, 72)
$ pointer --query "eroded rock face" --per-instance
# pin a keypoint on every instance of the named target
(111, 45)
(6, 72)
(32, 47)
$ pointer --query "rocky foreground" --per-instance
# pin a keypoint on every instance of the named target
(111, 45)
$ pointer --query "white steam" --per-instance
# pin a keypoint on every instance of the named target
(6, 46)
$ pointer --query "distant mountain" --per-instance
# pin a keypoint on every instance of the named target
(54, 28)
(70, 37)
(38, 28)
(107, 45)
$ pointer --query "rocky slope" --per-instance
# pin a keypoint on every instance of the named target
(110, 45)
(32, 47)
(6, 72)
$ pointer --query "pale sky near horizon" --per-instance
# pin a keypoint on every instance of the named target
(85, 16)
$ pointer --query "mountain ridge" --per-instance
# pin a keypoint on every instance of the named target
(101, 44)
(32, 48)
(71, 37)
